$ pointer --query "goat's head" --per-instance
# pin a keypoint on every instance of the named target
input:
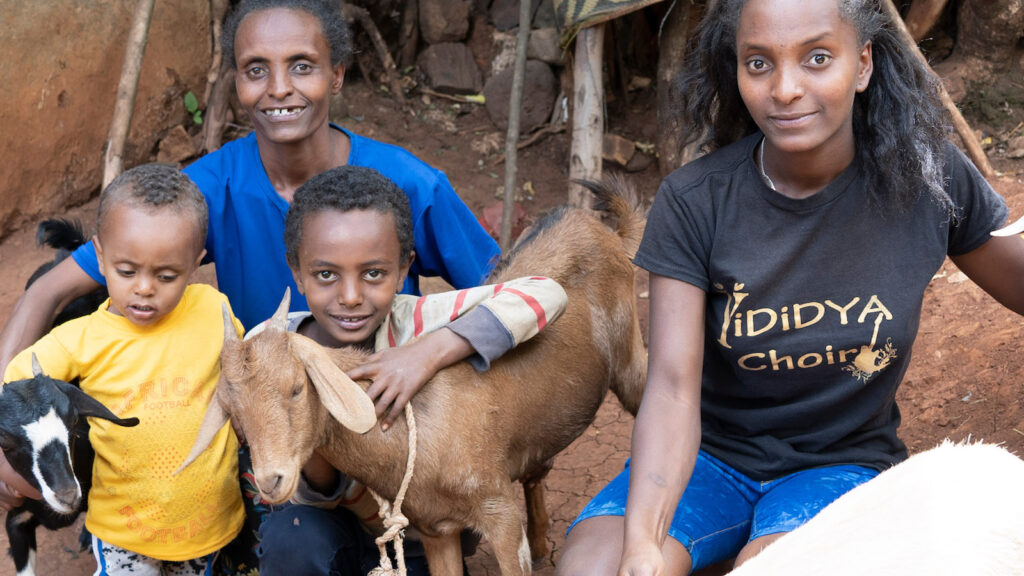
(39, 418)
(278, 388)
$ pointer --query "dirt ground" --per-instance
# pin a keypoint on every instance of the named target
(963, 383)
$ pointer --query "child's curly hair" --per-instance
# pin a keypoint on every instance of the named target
(899, 123)
(343, 189)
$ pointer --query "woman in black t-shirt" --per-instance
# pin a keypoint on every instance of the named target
(787, 271)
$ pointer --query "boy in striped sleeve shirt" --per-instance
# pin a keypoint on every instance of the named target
(348, 240)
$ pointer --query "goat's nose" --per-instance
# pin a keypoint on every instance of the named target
(68, 496)
(268, 484)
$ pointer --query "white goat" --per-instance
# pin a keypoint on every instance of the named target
(478, 432)
(954, 510)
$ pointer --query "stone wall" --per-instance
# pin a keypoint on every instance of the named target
(60, 65)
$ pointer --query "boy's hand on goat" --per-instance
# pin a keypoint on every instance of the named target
(396, 374)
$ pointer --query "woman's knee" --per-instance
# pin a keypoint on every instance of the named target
(592, 548)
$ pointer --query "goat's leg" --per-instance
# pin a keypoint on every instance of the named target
(444, 554)
(537, 520)
(503, 528)
(21, 533)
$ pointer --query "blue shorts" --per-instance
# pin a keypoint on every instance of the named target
(721, 509)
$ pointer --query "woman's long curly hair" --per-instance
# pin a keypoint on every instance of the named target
(899, 123)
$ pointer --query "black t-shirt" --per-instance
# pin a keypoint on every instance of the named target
(813, 304)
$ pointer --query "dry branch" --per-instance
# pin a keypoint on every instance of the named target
(352, 12)
(970, 140)
(537, 135)
(124, 107)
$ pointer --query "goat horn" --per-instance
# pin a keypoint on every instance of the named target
(1010, 229)
(37, 370)
(343, 398)
(213, 421)
(230, 332)
(279, 320)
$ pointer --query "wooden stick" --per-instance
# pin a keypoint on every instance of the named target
(587, 113)
(218, 8)
(219, 82)
(515, 106)
(537, 135)
(971, 142)
(124, 107)
(353, 12)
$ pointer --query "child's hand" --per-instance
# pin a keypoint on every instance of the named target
(398, 373)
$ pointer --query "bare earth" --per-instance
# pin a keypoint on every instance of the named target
(963, 383)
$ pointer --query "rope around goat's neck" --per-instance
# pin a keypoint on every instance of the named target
(394, 521)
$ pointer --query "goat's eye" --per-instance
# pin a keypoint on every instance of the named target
(297, 391)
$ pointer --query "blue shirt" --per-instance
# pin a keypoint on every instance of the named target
(246, 232)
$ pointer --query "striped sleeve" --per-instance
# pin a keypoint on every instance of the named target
(515, 310)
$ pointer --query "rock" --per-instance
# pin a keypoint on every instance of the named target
(539, 90)
(490, 219)
(176, 146)
(505, 13)
(639, 162)
(505, 58)
(450, 68)
(543, 46)
(616, 149)
(544, 15)
(444, 20)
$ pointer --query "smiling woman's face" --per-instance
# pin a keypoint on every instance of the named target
(284, 75)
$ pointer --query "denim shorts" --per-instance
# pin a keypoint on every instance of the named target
(721, 509)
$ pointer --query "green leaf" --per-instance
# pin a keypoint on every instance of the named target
(191, 103)
(197, 117)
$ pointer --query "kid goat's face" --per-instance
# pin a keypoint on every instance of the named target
(799, 67)
(147, 257)
(350, 269)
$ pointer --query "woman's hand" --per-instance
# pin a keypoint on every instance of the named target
(642, 560)
(397, 374)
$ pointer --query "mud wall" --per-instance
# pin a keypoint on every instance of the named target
(60, 65)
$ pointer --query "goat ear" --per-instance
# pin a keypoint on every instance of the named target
(213, 421)
(342, 397)
(88, 406)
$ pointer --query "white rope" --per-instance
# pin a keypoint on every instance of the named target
(394, 521)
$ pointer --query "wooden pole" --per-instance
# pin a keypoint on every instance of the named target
(587, 113)
(679, 23)
(512, 135)
(124, 107)
(971, 143)
(219, 82)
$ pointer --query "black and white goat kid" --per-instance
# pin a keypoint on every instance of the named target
(27, 400)
(45, 436)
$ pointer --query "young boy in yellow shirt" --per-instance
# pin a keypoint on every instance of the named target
(151, 351)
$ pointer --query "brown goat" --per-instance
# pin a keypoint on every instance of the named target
(477, 431)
